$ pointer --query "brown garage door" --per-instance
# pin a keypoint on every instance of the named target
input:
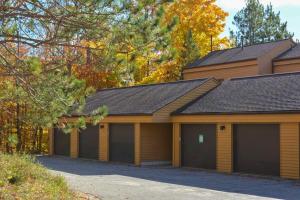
(198, 145)
(89, 142)
(121, 143)
(256, 149)
(61, 143)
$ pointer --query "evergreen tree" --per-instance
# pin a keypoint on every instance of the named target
(256, 24)
(273, 28)
(190, 50)
(42, 40)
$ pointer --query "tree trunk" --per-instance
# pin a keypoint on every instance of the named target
(40, 140)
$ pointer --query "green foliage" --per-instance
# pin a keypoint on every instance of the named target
(190, 51)
(137, 42)
(41, 44)
(12, 140)
(34, 65)
(21, 177)
(256, 24)
(99, 114)
(50, 96)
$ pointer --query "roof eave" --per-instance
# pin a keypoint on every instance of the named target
(238, 113)
(209, 65)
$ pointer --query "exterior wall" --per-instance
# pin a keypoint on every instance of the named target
(74, 143)
(265, 60)
(285, 66)
(289, 139)
(163, 114)
(104, 142)
(137, 144)
(156, 142)
(289, 150)
(51, 141)
(224, 147)
(176, 161)
(223, 71)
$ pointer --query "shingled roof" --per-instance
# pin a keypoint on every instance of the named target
(236, 54)
(278, 93)
(140, 100)
(290, 54)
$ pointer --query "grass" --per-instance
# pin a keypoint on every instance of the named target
(21, 177)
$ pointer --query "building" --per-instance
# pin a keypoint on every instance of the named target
(247, 123)
(238, 62)
(138, 128)
(289, 61)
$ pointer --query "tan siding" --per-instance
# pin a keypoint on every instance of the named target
(156, 142)
(287, 66)
(164, 113)
(137, 144)
(224, 148)
(265, 60)
(176, 145)
(51, 141)
(103, 141)
(74, 143)
(289, 139)
(289, 150)
(224, 71)
(286, 62)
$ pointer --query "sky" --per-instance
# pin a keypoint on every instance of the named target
(289, 11)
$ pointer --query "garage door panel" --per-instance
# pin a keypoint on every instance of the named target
(198, 145)
(61, 143)
(121, 143)
(256, 148)
(89, 142)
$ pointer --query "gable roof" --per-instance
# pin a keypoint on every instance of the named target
(236, 54)
(278, 93)
(140, 100)
(292, 53)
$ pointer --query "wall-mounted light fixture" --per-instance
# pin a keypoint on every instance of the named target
(222, 127)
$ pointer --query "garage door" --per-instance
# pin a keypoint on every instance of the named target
(198, 145)
(61, 143)
(121, 143)
(89, 142)
(256, 149)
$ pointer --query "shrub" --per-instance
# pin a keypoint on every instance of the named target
(21, 177)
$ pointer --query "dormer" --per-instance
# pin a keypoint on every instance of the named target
(288, 61)
(238, 62)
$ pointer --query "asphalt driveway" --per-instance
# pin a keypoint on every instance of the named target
(114, 181)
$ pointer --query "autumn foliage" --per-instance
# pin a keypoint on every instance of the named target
(96, 78)
(205, 21)
(101, 44)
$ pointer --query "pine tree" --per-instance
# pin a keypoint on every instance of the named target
(56, 36)
(256, 24)
(190, 50)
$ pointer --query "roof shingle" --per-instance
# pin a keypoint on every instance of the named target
(278, 93)
(235, 54)
(290, 54)
(139, 100)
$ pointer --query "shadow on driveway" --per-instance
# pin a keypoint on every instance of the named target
(280, 189)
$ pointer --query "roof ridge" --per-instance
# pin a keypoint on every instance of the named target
(232, 55)
(255, 44)
(265, 76)
(154, 84)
